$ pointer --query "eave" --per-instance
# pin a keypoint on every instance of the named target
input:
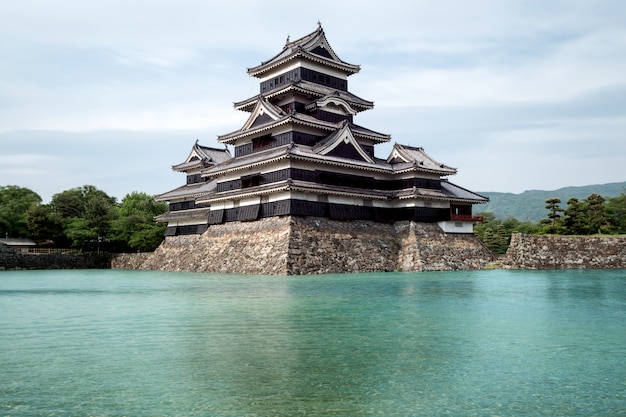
(232, 137)
(306, 88)
(299, 53)
(187, 191)
(295, 186)
(183, 214)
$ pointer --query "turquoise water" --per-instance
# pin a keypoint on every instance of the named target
(482, 343)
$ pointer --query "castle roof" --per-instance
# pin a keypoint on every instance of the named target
(188, 191)
(308, 88)
(266, 116)
(313, 47)
(406, 158)
(321, 154)
(198, 213)
(202, 157)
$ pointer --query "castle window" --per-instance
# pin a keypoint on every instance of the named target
(250, 181)
(262, 142)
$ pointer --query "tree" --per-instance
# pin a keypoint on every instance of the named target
(616, 214)
(496, 233)
(14, 204)
(575, 217)
(596, 213)
(44, 225)
(135, 226)
(86, 214)
(554, 214)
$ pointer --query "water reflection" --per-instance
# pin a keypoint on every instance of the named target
(331, 345)
(462, 343)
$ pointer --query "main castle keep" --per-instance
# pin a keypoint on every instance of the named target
(305, 190)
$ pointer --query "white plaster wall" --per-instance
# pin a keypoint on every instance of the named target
(456, 227)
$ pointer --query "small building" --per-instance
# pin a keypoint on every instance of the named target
(19, 244)
(301, 153)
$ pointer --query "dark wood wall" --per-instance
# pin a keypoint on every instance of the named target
(335, 211)
(306, 74)
(329, 178)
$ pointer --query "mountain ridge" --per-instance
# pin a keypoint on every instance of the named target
(530, 204)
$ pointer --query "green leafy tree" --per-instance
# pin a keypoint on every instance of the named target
(44, 225)
(69, 203)
(86, 214)
(496, 233)
(14, 204)
(616, 214)
(135, 226)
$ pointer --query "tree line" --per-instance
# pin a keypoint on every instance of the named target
(88, 219)
(593, 215)
(84, 218)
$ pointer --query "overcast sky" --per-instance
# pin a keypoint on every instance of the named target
(517, 95)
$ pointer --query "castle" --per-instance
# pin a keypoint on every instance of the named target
(300, 155)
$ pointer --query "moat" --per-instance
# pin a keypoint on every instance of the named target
(463, 343)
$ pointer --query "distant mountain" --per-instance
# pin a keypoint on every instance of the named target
(531, 205)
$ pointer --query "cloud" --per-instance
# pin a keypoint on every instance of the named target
(112, 90)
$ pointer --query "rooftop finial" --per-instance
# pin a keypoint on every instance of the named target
(287, 41)
(319, 24)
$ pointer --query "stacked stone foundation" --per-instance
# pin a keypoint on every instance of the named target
(294, 245)
(565, 252)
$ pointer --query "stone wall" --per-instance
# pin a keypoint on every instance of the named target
(258, 247)
(307, 245)
(129, 260)
(565, 252)
(424, 247)
(11, 259)
(321, 246)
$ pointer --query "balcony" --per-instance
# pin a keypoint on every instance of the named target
(466, 218)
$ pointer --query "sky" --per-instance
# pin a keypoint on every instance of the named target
(517, 95)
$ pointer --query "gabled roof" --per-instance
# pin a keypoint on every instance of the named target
(257, 126)
(406, 158)
(312, 154)
(202, 157)
(313, 47)
(332, 100)
(264, 112)
(343, 137)
(307, 88)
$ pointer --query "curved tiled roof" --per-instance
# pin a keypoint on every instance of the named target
(201, 157)
(201, 213)
(406, 158)
(462, 194)
(309, 88)
(302, 120)
(189, 191)
(314, 47)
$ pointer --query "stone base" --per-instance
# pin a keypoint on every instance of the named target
(294, 245)
(565, 252)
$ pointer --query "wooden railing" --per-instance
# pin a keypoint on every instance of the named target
(42, 251)
(467, 218)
